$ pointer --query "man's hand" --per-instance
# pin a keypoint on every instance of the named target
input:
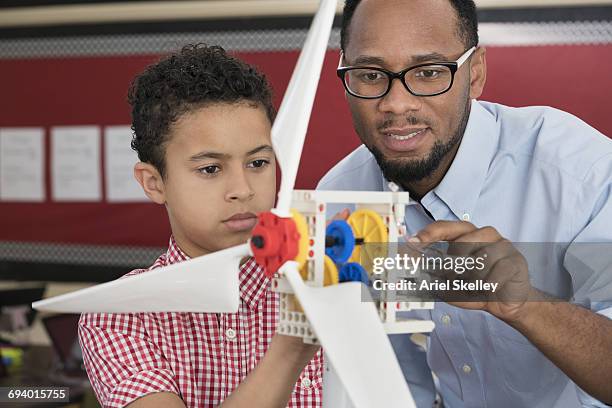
(342, 215)
(503, 264)
(576, 340)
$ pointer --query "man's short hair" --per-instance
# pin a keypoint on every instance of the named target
(196, 76)
(467, 29)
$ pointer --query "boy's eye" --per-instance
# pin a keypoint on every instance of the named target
(259, 163)
(209, 169)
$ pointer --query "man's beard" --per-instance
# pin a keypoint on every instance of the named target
(404, 171)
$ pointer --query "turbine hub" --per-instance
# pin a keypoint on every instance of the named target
(274, 241)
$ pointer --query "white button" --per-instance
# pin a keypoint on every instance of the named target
(466, 217)
(230, 334)
(467, 369)
(306, 383)
(446, 319)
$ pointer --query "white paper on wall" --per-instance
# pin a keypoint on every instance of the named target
(119, 161)
(22, 160)
(75, 163)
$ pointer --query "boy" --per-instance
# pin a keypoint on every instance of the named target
(202, 123)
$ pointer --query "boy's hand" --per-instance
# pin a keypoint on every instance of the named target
(295, 346)
(272, 381)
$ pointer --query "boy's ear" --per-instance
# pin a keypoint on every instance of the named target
(151, 182)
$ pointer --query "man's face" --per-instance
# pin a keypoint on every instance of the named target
(410, 136)
(220, 172)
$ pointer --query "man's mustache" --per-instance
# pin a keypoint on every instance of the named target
(390, 123)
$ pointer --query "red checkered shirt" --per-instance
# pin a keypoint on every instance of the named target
(202, 357)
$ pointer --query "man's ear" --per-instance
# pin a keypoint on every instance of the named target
(151, 182)
(478, 72)
(340, 63)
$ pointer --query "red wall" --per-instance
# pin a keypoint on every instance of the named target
(92, 91)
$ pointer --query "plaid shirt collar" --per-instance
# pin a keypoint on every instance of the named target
(253, 282)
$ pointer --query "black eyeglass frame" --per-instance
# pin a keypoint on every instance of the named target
(453, 66)
(401, 75)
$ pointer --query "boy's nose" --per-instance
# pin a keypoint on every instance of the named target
(243, 195)
(239, 189)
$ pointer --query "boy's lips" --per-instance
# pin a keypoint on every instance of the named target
(241, 222)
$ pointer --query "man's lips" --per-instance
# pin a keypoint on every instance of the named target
(404, 139)
(241, 222)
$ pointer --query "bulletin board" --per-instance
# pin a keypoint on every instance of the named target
(46, 88)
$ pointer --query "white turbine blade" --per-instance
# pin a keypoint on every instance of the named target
(207, 284)
(355, 342)
(291, 124)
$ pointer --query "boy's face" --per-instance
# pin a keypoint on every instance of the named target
(220, 173)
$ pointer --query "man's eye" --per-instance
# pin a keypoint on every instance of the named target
(428, 74)
(209, 169)
(371, 76)
(259, 163)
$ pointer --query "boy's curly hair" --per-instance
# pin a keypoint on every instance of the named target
(196, 76)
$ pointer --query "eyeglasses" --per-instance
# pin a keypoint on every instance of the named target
(429, 79)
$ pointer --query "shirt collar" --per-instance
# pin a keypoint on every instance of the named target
(463, 182)
(175, 254)
(253, 282)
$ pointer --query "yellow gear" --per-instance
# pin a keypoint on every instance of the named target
(370, 227)
(331, 275)
(302, 228)
(330, 272)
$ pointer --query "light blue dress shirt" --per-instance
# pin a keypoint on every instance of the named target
(536, 174)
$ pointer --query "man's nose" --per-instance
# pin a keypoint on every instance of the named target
(399, 101)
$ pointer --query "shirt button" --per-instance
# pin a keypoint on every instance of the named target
(306, 383)
(446, 319)
(466, 217)
(467, 369)
(230, 334)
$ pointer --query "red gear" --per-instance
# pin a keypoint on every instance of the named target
(274, 241)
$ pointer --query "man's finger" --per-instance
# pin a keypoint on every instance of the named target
(443, 231)
(342, 215)
(484, 234)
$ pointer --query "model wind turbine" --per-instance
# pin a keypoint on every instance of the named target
(304, 270)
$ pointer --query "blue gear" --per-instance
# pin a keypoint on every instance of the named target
(353, 272)
(342, 241)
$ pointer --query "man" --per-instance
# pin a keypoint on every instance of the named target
(489, 174)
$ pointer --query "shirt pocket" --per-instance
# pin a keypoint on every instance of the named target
(524, 368)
